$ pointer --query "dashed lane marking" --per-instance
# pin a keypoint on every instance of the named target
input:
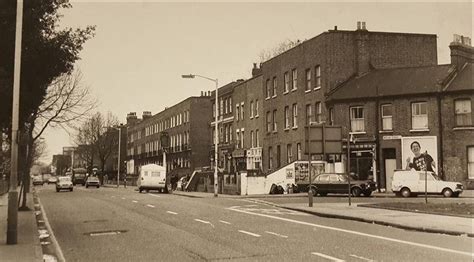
(356, 233)
(150, 205)
(123, 198)
(363, 258)
(171, 212)
(225, 222)
(134, 201)
(276, 234)
(327, 257)
(203, 221)
(249, 233)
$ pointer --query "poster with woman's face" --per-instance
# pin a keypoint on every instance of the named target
(416, 146)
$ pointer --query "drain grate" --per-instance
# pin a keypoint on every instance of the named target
(105, 233)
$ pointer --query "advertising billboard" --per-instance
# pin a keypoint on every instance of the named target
(420, 153)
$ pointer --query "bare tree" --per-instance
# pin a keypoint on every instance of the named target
(283, 46)
(97, 139)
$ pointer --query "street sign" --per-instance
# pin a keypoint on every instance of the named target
(392, 137)
(322, 139)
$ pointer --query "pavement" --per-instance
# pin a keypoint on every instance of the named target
(28, 247)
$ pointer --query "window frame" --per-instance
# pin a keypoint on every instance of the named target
(415, 119)
(308, 80)
(467, 115)
(294, 79)
(286, 78)
(383, 117)
(362, 119)
(294, 111)
(317, 77)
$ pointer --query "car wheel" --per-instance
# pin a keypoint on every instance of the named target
(367, 193)
(140, 190)
(57, 189)
(456, 194)
(87, 186)
(98, 186)
(447, 192)
(71, 189)
(356, 191)
(405, 192)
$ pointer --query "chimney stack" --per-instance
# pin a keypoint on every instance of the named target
(132, 118)
(461, 51)
(362, 61)
(146, 114)
(256, 70)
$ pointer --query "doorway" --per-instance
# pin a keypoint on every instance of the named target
(390, 164)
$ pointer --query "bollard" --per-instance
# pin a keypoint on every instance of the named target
(310, 197)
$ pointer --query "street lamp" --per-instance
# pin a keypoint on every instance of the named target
(216, 132)
(119, 128)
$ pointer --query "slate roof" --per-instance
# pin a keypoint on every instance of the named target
(393, 82)
(464, 80)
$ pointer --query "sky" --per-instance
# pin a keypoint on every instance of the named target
(135, 61)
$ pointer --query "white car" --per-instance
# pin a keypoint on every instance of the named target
(153, 177)
(64, 183)
(411, 183)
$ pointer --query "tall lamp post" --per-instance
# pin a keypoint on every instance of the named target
(119, 128)
(216, 132)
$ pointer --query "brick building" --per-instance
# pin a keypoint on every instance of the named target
(187, 125)
(296, 82)
(387, 110)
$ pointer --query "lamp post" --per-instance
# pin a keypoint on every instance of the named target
(12, 217)
(216, 132)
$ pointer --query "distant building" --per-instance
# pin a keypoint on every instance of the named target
(187, 125)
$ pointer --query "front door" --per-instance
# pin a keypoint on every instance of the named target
(390, 166)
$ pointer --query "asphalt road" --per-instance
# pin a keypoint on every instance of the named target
(109, 224)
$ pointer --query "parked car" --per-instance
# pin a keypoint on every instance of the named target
(92, 181)
(327, 183)
(79, 176)
(52, 180)
(64, 183)
(38, 180)
(411, 183)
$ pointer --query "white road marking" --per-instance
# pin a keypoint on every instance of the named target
(134, 201)
(104, 233)
(276, 234)
(225, 222)
(357, 233)
(153, 195)
(171, 212)
(363, 258)
(249, 233)
(204, 221)
(150, 205)
(327, 257)
(57, 247)
(123, 198)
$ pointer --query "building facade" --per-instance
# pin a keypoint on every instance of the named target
(187, 126)
(296, 82)
(389, 111)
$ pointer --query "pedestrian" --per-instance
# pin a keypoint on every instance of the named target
(125, 181)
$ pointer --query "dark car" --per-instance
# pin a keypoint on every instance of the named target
(328, 183)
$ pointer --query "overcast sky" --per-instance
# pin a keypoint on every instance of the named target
(141, 48)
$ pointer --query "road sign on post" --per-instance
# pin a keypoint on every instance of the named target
(322, 139)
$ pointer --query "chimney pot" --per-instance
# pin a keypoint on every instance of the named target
(335, 28)
(358, 25)
(363, 26)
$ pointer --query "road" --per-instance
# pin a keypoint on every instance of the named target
(109, 224)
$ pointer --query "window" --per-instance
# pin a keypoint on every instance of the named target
(226, 131)
(270, 158)
(470, 162)
(252, 144)
(230, 132)
(274, 120)
(319, 112)
(419, 115)
(289, 153)
(309, 114)
(242, 111)
(294, 74)
(308, 80)
(278, 156)
(287, 117)
(295, 116)
(242, 138)
(357, 119)
(269, 122)
(230, 104)
(237, 112)
(237, 136)
(298, 151)
(251, 109)
(317, 77)
(287, 82)
(462, 112)
(268, 88)
(274, 87)
(221, 107)
(256, 108)
(386, 117)
(331, 116)
(257, 140)
(225, 106)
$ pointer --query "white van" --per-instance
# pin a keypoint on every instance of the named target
(410, 182)
(153, 177)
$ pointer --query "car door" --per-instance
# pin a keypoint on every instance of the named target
(322, 182)
(431, 185)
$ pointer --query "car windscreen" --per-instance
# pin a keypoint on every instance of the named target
(64, 179)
